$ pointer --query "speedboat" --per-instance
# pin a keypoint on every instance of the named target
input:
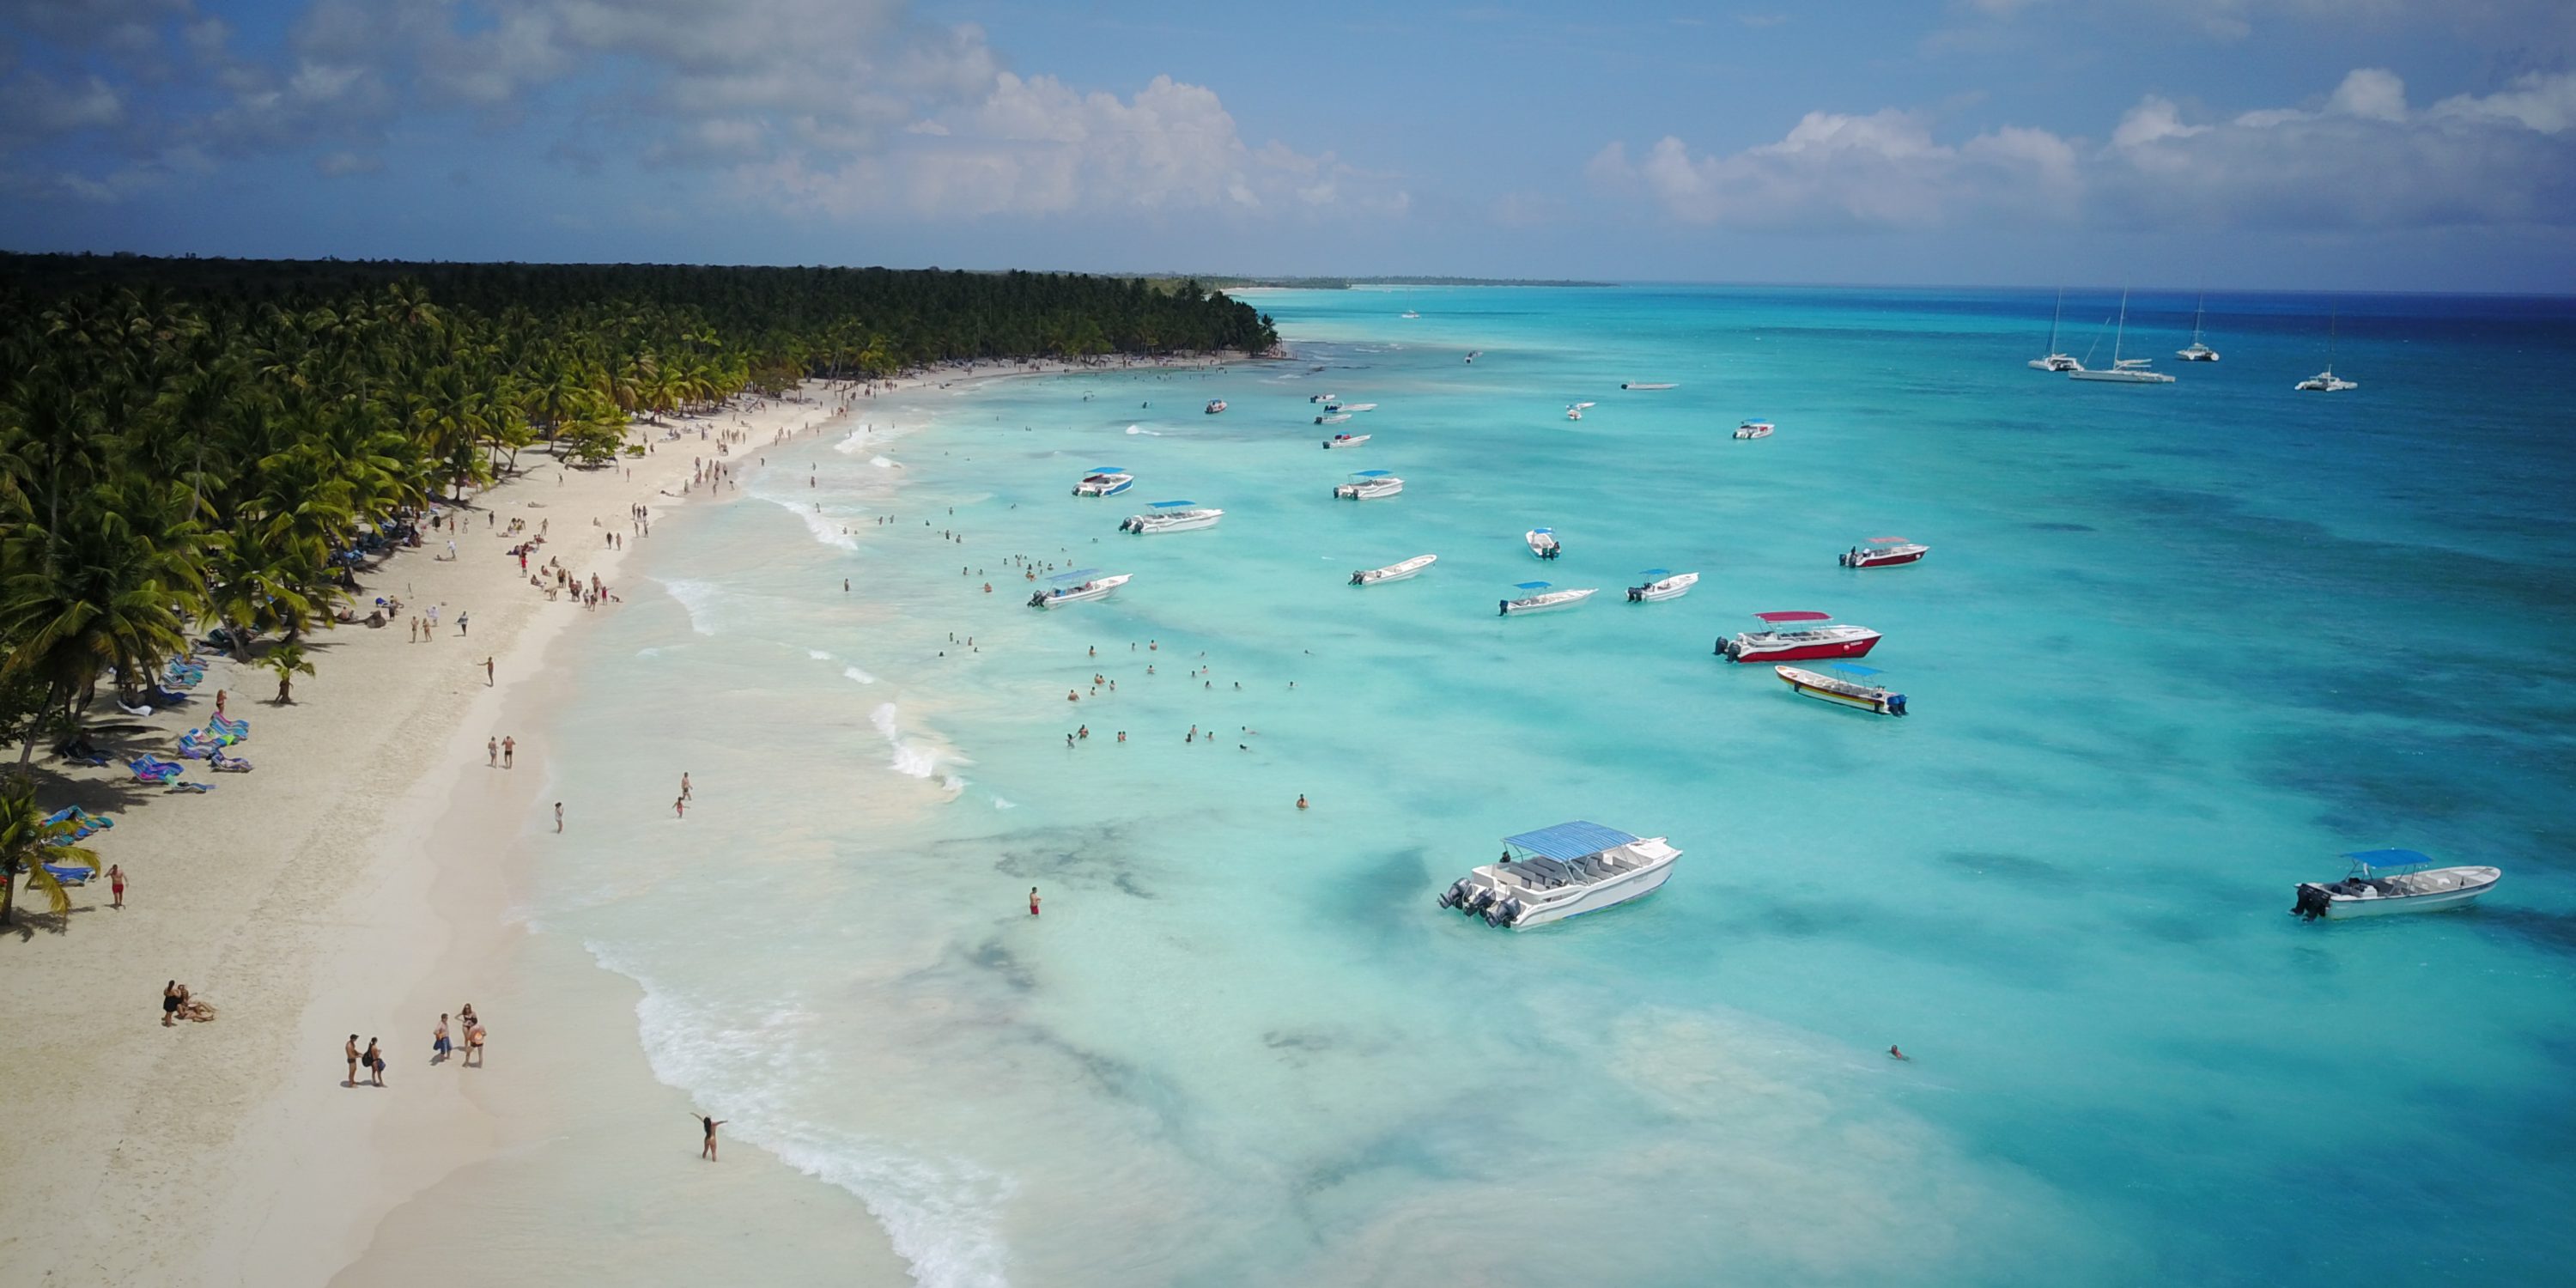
(1408, 313)
(1575, 412)
(1172, 516)
(2326, 382)
(1369, 485)
(1473, 354)
(1333, 418)
(1884, 552)
(1074, 587)
(1104, 480)
(1667, 584)
(1350, 406)
(1215, 405)
(1539, 597)
(1647, 384)
(1559, 872)
(1543, 542)
(1346, 440)
(1323, 398)
(1850, 686)
(1798, 637)
(2386, 881)
(1754, 429)
(1394, 571)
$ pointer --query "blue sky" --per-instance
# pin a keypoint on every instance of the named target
(2326, 144)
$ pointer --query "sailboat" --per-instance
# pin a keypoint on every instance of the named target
(2326, 381)
(2056, 361)
(2198, 352)
(2125, 371)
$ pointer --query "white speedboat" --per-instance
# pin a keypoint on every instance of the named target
(1394, 571)
(1346, 440)
(1104, 480)
(2056, 361)
(2196, 351)
(1539, 597)
(1885, 552)
(2122, 371)
(1648, 384)
(2390, 881)
(1409, 315)
(1369, 485)
(1667, 584)
(1850, 686)
(1172, 516)
(1560, 872)
(1543, 542)
(1798, 637)
(1473, 354)
(1351, 407)
(1215, 405)
(1324, 398)
(1075, 587)
(1332, 418)
(1754, 429)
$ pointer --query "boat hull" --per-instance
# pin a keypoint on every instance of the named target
(2122, 377)
(1547, 603)
(1367, 491)
(1346, 440)
(1393, 572)
(1886, 559)
(1101, 589)
(1145, 527)
(1608, 894)
(1658, 592)
(2345, 907)
(1103, 489)
(1754, 648)
(1825, 688)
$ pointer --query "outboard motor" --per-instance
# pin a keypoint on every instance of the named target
(2313, 901)
(1896, 704)
(1455, 894)
(1481, 900)
(1038, 600)
(1503, 608)
(1636, 594)
(1510, 911)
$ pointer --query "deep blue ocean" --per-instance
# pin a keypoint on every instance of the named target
(2175, 649)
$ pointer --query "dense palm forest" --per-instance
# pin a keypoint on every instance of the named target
(195, 445)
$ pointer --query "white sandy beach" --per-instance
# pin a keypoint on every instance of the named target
(362, 880)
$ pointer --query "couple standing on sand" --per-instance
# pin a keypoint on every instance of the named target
(440, 1047)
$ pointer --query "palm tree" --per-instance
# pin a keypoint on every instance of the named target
(27, 841)
(95, 593)
(288, 661)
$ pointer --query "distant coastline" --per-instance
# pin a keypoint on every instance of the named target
(1223, 283)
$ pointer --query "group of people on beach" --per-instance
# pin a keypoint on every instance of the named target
(442, 1044)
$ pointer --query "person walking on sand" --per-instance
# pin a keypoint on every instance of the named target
(351, 1051)
(509, 749)
(708, 1151)
(460, 621)
(685, 793)
(1033, 901)
(491, 753)
(680, 806)
(439, 1046)
(116, 885)
(558, 817)
(375, 1062)
(487, 673)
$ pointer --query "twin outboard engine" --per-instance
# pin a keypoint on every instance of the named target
(1127, 525)
(2313, 901)
(1038, 600)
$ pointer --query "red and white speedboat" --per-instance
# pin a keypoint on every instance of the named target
(1798, 637)
(1884, 552)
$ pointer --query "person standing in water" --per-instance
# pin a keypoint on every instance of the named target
(1033, 901)
(708, 1151)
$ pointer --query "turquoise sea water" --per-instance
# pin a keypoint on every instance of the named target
(2175, 648)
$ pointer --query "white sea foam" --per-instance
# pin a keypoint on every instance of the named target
(883, 463)
(855, 442)
(818, 655)
(826, 528)
(857, 674)
(698, 599)
(999, 803)
(1139, 429)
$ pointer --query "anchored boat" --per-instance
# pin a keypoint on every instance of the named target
(1560, 872)
(1849, 686)
(1647, 384)
(2390, 881)
(1172, 516)
(1077, 586)
(1323, 398)
(1104, 480)
(1369, 485)
(1798, 637)
(1664, 584)
(1538, 597)
(1884, 552)
(1754, 429)
(1394, 571)
(1543, 542)
(1215, 405)
(1346, 440)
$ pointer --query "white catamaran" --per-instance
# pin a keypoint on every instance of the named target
(2123, 371)
(2056, 361)
(2198, 352)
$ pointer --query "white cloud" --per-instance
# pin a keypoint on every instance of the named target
(2359, 157)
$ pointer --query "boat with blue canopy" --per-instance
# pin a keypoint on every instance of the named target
(2382, 882)
(1172, 516)
(1662, 584)
(1369, 485)
(1543, 542)
(1559, 872)
(1077, 586)
(1849, 684)
(1539, 596)
(1104, 480)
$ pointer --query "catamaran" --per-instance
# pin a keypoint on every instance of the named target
(1560, 872)
(2198, 352)
(2122, 371)
(1074, 587)
(1172, 516)
(1104, 480)
(1539, 597)
(1369, 485)
(2387, 881)
(1215, 405)
(1394, 571)
(2326, 381)
(2056, 361)
(1754, 429)
(1648, 384)
(1798, 637)
(1662, 584)
(1850, 686)
(1884, 552)
(1346, 440)
(1543, 542)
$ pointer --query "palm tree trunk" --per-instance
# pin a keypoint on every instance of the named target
(36, 729)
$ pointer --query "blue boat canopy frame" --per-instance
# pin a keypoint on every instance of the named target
(1372, 474)
(1531, 585)
(1569, 841)
(1166, 505)
(1106, 469)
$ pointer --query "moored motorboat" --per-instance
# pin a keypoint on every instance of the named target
(1850, 686)
(1394, 571)
(1663, 584)
(1172, 516)
(1884, 552)
(1539, 597)
(1075, 587)
(1543, 542)
(1333, 418)
(1473, 354)
(1346, 440)
(1323, 398)
(1647, 384)
(1369, 485)
(1215, 405)
(2391, 881)
(1798, 637)
(1754, 429)
(1352, 407)
(1560, 872)
(1104, 480)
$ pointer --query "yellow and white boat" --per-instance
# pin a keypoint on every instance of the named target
(1851, 689)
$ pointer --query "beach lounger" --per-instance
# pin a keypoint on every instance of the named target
(224, 764)
(71, 873)
(233, 729)
(131, 711)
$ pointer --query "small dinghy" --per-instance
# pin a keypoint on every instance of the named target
(1543, 542)
(1394, 571)
(1850, 686)
(1560, 872)
(1539, 597)
(1662, 584)
(1075, 587)
(1345, 440)
(1369, 485)
(2390, 881)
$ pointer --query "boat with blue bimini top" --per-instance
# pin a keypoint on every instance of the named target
(1543, 542)
(1850, 685)
(1559, 872)
(1077, 586)
(1345, 440)
(1369, 485)
(1539, 597)
(1104, 480)
(1171, 516)
(1662, 584)
(2391, 881)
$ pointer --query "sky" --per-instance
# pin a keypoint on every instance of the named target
(2231, 144)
